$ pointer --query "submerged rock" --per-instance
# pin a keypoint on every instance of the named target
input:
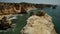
(37, 24)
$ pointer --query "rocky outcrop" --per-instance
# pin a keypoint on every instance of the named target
(39, 24)
(5, 23)
(17, 8)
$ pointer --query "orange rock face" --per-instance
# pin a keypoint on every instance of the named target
(15, 8)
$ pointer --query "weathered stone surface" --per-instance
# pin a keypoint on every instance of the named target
(39, 25)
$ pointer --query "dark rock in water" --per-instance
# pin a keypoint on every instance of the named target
(4, 24)
(54, 7)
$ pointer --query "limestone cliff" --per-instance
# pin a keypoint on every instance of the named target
(41, 24)
(17, 8)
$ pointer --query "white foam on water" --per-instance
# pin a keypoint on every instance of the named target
(13, 25)
(13, 17)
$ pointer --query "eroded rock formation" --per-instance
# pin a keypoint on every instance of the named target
(5, 23)
(39, 24)
(17, 8)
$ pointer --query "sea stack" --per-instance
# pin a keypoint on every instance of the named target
(39, 24)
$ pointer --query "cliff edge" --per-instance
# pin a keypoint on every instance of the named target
(39, 24)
